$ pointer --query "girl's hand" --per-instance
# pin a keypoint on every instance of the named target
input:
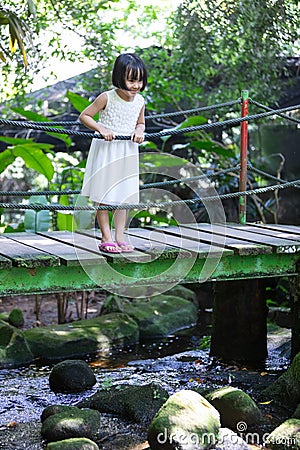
(137, 136)
(107, 134)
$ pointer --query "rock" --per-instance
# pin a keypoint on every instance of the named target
(133, 402)
(73, 444)
(16, 318)
(14, 350)
(66, 425)
(228, 440)
(112, 303)
(286, 436)
(234, 406)
(286, 389)
(296, 414)
(183, 292)
(56, 409)
(83, 337)
(161, 315)
(186, 421)
(71, 376)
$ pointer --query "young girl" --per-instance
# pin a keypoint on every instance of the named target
(112, 170)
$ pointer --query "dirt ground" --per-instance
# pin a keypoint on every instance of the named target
(49, 309)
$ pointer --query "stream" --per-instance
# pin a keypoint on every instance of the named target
(175, 363)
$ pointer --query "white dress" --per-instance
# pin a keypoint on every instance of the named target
(112, 170)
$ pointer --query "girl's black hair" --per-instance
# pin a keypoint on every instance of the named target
(125, 64)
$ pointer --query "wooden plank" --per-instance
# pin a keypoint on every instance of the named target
(69, 255)
(135, 256)
(278, 234)
(278, 227)
(278, 245)
(206, 235)
(168, 243)
(23, 255)
(93, 238)
(86, 247)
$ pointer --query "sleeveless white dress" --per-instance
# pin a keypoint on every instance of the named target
(112, 170)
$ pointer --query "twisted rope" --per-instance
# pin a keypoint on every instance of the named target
(149, 136)
(260, 105)
(148, 117)
(140, 206)
(143, 186)
(266, 174)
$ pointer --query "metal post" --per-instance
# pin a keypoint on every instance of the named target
(243, 157)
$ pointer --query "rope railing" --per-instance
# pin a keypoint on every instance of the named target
(142, 187)
(150, 136)
(141, 206)
(147, 117)
(266, 174)
(267, 108)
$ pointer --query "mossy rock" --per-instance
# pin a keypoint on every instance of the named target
(56, 409)
(286, 389)
(183, 292)
(132, 402)
(185, 421)
(16, 318)
(286, 436)
(73, 444)
(83, 337)
(71, 376)
(161, 315)
(66, 425)
(234, 406)
(14, 350)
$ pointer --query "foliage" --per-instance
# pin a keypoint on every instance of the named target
(222, 47)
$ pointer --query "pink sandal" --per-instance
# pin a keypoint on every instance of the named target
(125, 247)
(109, 247)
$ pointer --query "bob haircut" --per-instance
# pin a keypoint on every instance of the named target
(128, 64)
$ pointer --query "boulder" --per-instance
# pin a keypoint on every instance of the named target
(56, 409)
(234, 406)
(16, 318)
(228, 440)
(183, 292)
(83, 337)
(161, 315)
(73, 444)
(66, 425)
(14, 349)
(71, 376)
(186, 421)
(286, 436)
(286, 389)
(133, 402)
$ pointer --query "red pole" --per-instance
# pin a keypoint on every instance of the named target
(243, 158)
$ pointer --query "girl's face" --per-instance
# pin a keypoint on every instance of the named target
(133, 87)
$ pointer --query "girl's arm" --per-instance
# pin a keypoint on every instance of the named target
(86, 117)
(138, 134)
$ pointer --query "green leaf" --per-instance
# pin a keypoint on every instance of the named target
(36, 159)
(211, 146)
(6, 158)
(11, 140)
(192, 121)
(34, 117)
(65, 221)
(160, 160)
(79, 102)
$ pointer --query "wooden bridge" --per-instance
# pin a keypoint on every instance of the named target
(190, 253)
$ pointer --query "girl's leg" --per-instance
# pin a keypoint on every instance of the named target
(103, 222)
(120, 217)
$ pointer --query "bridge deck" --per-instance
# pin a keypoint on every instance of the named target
(65, 261)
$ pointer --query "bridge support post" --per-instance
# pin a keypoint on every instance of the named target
(295, 310)
(240, 320)
(243, 158)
